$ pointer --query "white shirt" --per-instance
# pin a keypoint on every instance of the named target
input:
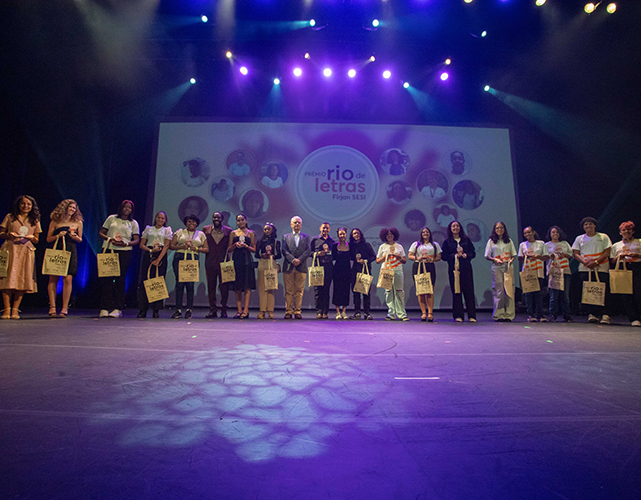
(238, 169)
(198, 238)
(386, 249)
(425, 250)
(536, 248)
(563, 247)
(500, 249)
(633, 246)
(592, 246)
(444, 220)
(272, 183)
(434, 193)
(118, 228)
(155, 236)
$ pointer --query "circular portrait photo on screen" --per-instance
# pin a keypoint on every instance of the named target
(193, 205)
(222, 189)
(444, 214)
(439, 236)
(432, 184)
(273, 174)
(229, 218)
(457, 162)
(477, 232)
(241, 162)
(394, 161)
(467, 194)
(399, 192)
(415, 220)
(253, 203)
(194, 172)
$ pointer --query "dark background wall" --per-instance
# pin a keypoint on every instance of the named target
(82, 84)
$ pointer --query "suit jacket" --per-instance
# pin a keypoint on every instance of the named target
(291, 252)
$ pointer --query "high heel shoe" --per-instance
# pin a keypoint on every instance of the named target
(63, 313)
(52, 312)
(423, 317)
(6, 314)
(244, 316)
(430, 318)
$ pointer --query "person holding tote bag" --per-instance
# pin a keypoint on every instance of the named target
(267, 252)
(188, 244)
(393, 254)
(533, 252)
(66, 223)
(342, 257)
(424, 252)
(592, 250)
(362, 255)
(501, 252)
(242, 242)
(560, 254)
(120, 233)
(459, 250)
(628, 250)
(154, 243)
(21, 231)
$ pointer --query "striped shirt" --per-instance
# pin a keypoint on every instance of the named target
(536, 248)
(386, 249)
(633, 246)
(591, 247)
(563, 247)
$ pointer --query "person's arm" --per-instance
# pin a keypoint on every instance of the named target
(252, 242)
(488, 253)
(544, 254)
(401, 254)
(50, 236)
(604, 257)
(307, 253)
(36, 235)
(382, 255)
(286, 252)
(522, 251)
(437, 252)
(468, 250)
(257, 254)
(174, 243)
(232, 245)
(143, 245)
(412, 253)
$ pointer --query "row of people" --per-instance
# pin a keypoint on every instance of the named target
(342, 260)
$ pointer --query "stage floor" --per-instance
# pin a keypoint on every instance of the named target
(173, 409)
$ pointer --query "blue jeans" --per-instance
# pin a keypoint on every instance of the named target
(560, 299)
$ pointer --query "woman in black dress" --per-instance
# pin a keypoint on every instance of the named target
(268, 253)
(242, 243)
(342, 258)
(66, 222)
(361, 253)
(459, 245)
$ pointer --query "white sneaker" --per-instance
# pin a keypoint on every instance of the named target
(104, 313)
(636, 323)
(116, 313)
(339, 316)
(605, 319)
(459, 320)
(472, 320)
(344, 315)
(592, 318)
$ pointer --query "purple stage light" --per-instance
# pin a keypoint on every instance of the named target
(327, 72)
(351, 73)
(298, 71)
(387, 73)
(444, 76)
(243, 70)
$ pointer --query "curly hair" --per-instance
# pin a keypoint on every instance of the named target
(495, 237)
(383, 234)
(351, 237)
(61, 210)
(562, 235)
(34, 214)
(626, 225)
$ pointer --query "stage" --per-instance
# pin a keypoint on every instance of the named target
(200, 408)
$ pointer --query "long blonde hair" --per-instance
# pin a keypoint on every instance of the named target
(61, 210)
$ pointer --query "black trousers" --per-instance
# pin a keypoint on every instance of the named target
(467, 292)
(113, 290)
(143, 303)
(632, 303)
(603, 278)
(321, 293)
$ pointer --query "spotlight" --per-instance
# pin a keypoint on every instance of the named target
(298, 71)
(375, 23)
(467, 1)
(539, 2)
(483, 34)
(351, 73)
(276, 81)
(486, 88)
(444, 76)
(307, 56)
(327, 72)
(192, 81)
(387, 73)
(406, 85)
(611, 8)
(228, 54)
(448, 61)
(312, 23)
(589, 8)
(243, 70)
(204, 18)
(372, 59)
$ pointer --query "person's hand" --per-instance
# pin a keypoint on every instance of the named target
(360, 261)
(498, 260)
(155, 262)
(464, 255)
(118, 243)
(296, 262)
(62, 233)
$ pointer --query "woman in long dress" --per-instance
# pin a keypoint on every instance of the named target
(268, 252)
(341, 256)
(425, 251)
(21, 230)
(242, 243)
(66, 223)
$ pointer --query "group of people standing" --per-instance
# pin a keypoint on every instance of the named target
(342, 261)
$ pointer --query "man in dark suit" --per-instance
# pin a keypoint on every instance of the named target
(218, 240)
(296, 250)
(322, 246)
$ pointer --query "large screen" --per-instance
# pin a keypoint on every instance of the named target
(355, 175)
